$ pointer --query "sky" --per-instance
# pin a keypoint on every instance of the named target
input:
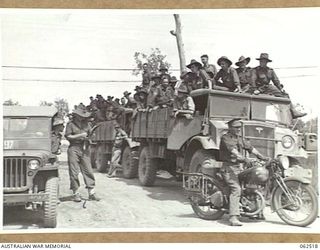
(109, 39)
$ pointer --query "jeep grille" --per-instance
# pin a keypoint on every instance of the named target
(14, 173)
(261, 137)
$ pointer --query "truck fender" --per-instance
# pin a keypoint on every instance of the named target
(206, 142)
(131, 143)
(291, 178)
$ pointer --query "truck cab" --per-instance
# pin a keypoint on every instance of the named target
(30, 169)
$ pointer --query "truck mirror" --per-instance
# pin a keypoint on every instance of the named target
(311, 141)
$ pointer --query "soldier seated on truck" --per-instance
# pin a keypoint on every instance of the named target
(57, 129)
(141, 98)
(227, 78)
(183, 104)
(198, 78)
(261, 78)
(164, 94)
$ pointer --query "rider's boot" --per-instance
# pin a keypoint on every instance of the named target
(234, 221)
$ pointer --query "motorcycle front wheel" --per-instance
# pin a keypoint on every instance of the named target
(203, 207)
(302, 210)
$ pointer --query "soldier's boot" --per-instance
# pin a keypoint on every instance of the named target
(295, 113)
(76, 197)
(234, 221)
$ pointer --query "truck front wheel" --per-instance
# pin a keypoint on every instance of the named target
(129, 163)
(50, 206)
(147, 168)
(199, 158)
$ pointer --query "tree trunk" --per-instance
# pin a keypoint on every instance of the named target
(180, 45)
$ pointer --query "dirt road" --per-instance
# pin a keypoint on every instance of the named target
(126, 205)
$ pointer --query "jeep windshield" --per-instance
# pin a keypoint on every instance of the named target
(271, 111)
(229, 106)
(26, 127)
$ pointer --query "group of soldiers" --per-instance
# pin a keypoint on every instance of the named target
(159, 90)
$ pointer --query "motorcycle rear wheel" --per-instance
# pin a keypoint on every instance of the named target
(304, 211)
(204, 208)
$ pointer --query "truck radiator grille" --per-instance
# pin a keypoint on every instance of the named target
(262, 138)
(15, 172)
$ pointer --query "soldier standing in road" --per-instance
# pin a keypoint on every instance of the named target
(227, 78)
(230, 147)
(76, 133)
(262, 75)
(244, 73)
(209, 68)
(116, 150)
(183, 104)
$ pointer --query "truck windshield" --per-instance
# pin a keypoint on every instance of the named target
(229, 107)
(270, 111)
(26, 127)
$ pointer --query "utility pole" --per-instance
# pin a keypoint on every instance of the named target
(178, 35)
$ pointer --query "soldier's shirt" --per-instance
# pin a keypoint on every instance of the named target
(230, 142)
(185, 104)
(197, 81)
(229, 78)
(211, 70)
(74, 129)
(263, 75)
(119, 137)
(244, 76)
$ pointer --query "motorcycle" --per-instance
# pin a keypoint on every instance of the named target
(289, 191)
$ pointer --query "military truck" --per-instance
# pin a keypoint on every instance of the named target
(102, 139)
(30, 169)
(184, 145)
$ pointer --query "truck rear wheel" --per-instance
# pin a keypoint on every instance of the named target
(147, 168)
(129, 163)
(50, 206)
(101, 160)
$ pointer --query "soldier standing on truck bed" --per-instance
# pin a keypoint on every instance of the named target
(209, 68)
(116, 150)
(77, 132)
(230, 148)
(261, 78)
(183, 104)
(244, 74)
(227, 78)
(146, 76)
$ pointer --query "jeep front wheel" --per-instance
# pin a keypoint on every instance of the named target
(50, 206)
(147, 168)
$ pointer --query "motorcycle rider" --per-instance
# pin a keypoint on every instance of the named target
(231, 146)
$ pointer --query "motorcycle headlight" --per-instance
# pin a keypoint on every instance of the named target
(284, 162)
(287, 141)
(33, 164)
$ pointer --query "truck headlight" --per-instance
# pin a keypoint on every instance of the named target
(33, 164)
(287, 141)
(284, 161)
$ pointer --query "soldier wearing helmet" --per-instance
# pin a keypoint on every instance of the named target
(230, 147)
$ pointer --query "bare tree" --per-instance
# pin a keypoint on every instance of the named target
(178, 34)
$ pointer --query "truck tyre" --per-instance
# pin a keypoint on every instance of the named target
(101, 160)
(147, 168)
(129, 163)
(197, 160)
(50, 206)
